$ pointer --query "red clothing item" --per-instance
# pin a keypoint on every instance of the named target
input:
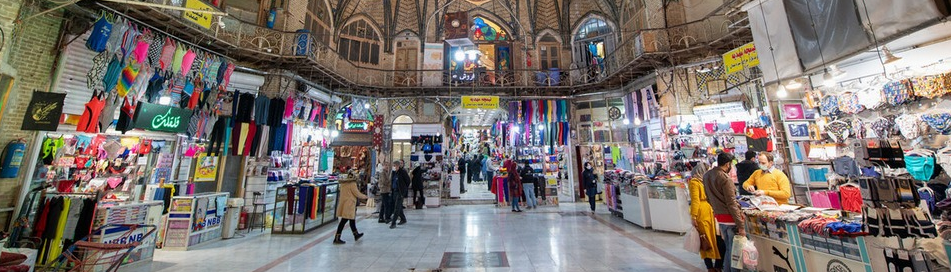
(41, 222)
(252, 130)
(724, 218)
(89, 121)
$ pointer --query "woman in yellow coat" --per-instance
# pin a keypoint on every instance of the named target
(702, 214)
(347, 200)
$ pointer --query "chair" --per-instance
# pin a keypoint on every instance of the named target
(254, 212)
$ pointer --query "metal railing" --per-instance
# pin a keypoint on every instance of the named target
(259, 40)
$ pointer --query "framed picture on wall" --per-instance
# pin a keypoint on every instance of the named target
(793, 111)
(797, 131)
(810, 113)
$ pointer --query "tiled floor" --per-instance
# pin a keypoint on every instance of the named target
(564, 238)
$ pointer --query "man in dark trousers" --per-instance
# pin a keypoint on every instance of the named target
(418, 182)
(745, 169)
(400, 182)
(475, 166)
(463, 166)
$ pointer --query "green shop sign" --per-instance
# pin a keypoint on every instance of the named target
(157, 117)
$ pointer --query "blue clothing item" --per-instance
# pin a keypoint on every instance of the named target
(394, 181)
(99, 36)
(727, 232)
(515, 204)
(846, 166)
(530, 199)
(870, 172)
(920, 168)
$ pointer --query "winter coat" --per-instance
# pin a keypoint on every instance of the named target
(347, 199)
(384, 181)
(402, 178)
(514, 180)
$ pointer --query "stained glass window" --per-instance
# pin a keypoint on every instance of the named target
(485, 30)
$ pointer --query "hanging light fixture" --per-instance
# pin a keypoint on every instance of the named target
(781, 91)
(793, 84)
(626, 121)
(334, 133)
(459, 55)
(637, 121)
(828, 79)
(515, 128)
(889, 57)
(541, 127)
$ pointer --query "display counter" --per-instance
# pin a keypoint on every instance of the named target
(303, 208)
(783, 246)
(636, 205)
(194, 220)
(136, 213)
(669, 208)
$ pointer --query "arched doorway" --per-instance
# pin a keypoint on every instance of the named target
(593, 40)
(402, 134)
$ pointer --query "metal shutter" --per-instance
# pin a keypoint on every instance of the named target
(74, 64)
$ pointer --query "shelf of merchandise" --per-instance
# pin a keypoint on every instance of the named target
(296, 223)
(193, 220)
(432, 188)
(552, 169)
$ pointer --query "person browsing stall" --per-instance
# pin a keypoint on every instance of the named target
(769, 181)
(721, 194)
(701, 214)
(745, 169)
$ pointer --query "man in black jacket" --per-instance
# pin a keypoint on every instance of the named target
(463, 166)
(475, 166)
(418, 182)
(400, 182)
(744, 170)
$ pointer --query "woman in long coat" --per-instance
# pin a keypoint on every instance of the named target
(347, 206)
(515, 184)
(702, 214)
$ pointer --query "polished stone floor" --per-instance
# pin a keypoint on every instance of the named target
(453, 238)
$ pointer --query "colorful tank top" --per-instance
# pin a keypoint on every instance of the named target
(100, 35)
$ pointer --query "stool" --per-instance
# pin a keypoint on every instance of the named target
(254, 212)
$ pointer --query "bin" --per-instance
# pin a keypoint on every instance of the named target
(232, 214)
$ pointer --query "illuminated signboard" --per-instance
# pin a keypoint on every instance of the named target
(157, 117)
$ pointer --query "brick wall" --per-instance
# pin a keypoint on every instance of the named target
(31, 56)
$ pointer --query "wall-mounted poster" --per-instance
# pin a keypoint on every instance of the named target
(793, 111)
(44, 111)
(206, 167)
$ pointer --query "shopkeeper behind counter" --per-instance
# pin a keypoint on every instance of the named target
(769, 181)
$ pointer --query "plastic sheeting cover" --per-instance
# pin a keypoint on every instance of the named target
(838, 32)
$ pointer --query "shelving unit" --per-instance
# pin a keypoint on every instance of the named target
(293, 217)
(194, 220)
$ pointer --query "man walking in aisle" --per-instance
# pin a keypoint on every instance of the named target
(399, 181)
(463, 166)
(386, 189)
(475, 166)
(721, 194)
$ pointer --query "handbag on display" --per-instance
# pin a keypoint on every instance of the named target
(437, 148)
(414, 158)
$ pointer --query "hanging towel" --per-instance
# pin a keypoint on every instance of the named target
(221, 203)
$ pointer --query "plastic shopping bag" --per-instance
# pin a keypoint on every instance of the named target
(692, 240)
(736, 252)
(750, 255)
